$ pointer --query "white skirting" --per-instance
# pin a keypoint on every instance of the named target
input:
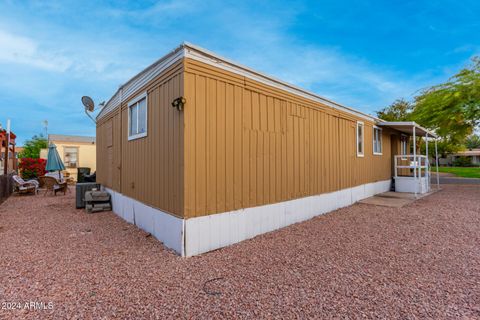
(198, 235)
(163, 226)
(407, 184)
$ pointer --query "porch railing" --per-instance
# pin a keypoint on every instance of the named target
(417, 165)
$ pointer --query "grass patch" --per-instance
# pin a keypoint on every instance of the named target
(465, 172)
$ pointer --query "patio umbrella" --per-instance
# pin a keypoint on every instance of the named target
(54, 163)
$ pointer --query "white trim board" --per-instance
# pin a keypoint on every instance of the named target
(199, 235)
(126, 90)
(203, 55)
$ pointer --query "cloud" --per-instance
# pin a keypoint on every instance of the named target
(156, 12)
(270, 46)
(60, 55)
(329, 72)
(326, 70)
(26, 51)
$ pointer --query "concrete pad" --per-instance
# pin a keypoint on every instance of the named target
(387, 202)
(397, 195)
(394, 199)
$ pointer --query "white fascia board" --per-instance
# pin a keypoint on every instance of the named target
(200, 54)
(206, 56)
(126, 91)
(406, 124)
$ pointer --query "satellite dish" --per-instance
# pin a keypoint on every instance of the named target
(89, 106)
(88, 103)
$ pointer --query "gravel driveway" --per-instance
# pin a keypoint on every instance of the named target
(422, 260)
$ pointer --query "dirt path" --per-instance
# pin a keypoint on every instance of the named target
(422, 260)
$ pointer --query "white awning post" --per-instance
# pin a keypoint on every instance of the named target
(436, 161)
(395, 162)
(415, 161)
(427, 164)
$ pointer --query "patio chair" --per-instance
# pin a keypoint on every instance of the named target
(53, 185)
(23, 187)
(57, 175)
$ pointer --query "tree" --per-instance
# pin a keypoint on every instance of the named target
(399, 110)
(472, 142)
(452, 109)
(444, 147)
(32, 147)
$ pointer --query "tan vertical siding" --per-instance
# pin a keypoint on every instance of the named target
(156, 181)
(108, 151)
(148, 169)
(252, 144)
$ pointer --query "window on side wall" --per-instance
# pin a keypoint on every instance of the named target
(70, 157)
(137, 117)
(360, 144)
(403, 147)
(377, 141)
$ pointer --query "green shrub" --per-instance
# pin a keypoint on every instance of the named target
(31, 168)
(463, 162)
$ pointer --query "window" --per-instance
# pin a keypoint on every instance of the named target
(137, 117)
(403, 146)
(70, 157)
(377, 141)
(360, 145)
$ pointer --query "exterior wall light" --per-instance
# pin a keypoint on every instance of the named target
(179, 103)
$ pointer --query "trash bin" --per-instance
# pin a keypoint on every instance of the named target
(81, 173)
(91, 178)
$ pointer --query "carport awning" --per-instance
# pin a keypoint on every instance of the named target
(407, 127)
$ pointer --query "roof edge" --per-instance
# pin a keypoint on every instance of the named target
(280, 83)
(407, 124)
(137, 81)
(186, 49)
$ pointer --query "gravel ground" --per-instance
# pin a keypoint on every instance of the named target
(419, 261)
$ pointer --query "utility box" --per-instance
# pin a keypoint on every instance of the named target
(96, 201)
(81, 188)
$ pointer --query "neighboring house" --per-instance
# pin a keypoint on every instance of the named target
(13, 159)
(12, 154)
(203, 152)
(474, 154)
(75, 151)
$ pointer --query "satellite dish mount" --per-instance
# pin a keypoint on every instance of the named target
(90, 106)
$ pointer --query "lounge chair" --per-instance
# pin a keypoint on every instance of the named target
(53, 185)
(23, 187)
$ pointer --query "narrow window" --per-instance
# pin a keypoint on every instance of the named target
(377, 141)
(403, 147)
(137, 117)
(360, 134)
(70, 157)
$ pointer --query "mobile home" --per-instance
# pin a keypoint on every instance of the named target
(203, 152)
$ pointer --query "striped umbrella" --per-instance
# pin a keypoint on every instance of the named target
(54, 163)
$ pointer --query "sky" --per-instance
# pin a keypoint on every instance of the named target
(363, 54)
